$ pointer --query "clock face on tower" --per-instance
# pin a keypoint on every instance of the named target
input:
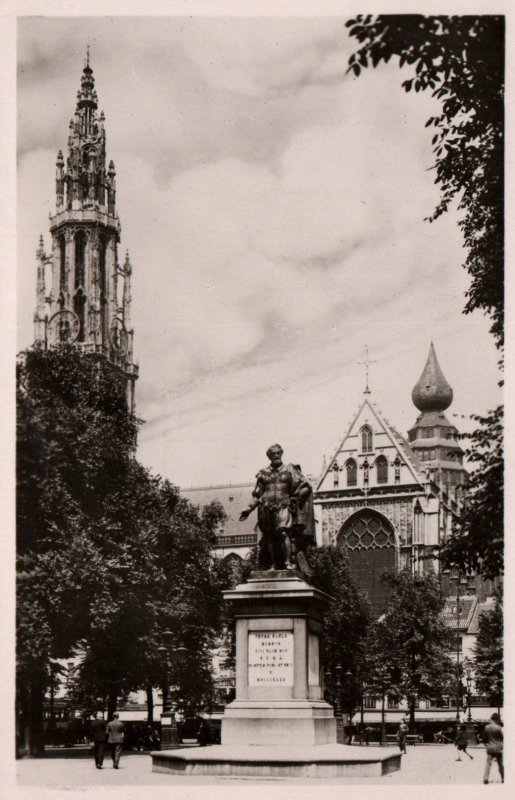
(63, 327)
(118, 336)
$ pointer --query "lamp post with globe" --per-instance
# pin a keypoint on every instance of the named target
(169, 730)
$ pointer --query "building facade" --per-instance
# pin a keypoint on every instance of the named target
(83, 291)
(388, 501)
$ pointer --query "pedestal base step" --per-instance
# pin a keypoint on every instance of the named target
(320, 761)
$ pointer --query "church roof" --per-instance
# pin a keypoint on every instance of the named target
(459, 620)
(393, 438)
(233, 497)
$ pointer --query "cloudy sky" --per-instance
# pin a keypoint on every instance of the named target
(273, 207)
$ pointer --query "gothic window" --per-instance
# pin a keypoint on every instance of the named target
(62, 263)
(79, 303)
(352, 472)
(80, 258)
(103, 288)
(234, 563)
(366, 439)
(368, 538)
(382, 470)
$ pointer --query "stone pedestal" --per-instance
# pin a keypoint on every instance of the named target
(278, 672)
(279, 725)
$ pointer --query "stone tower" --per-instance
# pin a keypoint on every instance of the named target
(89, 297)
(433, 438)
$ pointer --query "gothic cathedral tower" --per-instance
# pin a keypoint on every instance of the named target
(90, 295)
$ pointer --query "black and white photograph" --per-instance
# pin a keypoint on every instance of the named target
(258, 464)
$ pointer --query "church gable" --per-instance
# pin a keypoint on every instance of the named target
(372, 454)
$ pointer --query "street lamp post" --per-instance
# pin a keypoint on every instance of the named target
(471, 731)
(334, 691)
(382, 678)
(469, 697)
(458, 645)
(169, 730)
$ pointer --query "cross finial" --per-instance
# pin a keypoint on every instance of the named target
(367, 363)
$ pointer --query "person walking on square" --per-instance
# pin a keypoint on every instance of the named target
(115, 737)
(462, 741)
(401, 736)
(99, 738)
(494, 740)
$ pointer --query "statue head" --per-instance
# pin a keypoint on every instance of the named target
(274, 451)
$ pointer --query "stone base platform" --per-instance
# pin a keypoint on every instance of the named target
(320, 761)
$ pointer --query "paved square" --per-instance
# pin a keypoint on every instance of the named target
(423, 765)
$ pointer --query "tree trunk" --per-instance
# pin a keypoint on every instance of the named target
(412, 715)
(111, 702)
(36, 728)
(150, 704)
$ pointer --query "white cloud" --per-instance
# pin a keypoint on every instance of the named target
(273, 208)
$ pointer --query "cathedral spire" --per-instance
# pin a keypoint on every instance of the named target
(83, 306)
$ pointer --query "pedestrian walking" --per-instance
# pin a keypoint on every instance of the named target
(115, 737)
(494, 740)
(99, 739)
(462, 741)
(401, 735)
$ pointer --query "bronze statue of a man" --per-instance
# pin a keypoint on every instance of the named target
(284, 500)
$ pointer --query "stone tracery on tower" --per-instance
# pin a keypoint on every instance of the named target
(89, 297)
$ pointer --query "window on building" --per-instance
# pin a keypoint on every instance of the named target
(62, 263)
(429, 433)
(366, 439)
(397, 470)
(352, 472)
(369, 701)
(80, 258)
(392, 702)
(382, 469)
(102, 268)
(79, 303)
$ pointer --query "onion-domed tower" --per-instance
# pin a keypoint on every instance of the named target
(433, 438)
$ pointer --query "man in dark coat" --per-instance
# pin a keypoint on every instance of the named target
(402, 732)
(99, 738)
(493, 739)
(115, 737)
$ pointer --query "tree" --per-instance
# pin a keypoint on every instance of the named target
(346, 621)
(381, 666)
(477, 543)
(75, 440)
(488, 654)
(108, 555)
(460, 60)
(413, 643)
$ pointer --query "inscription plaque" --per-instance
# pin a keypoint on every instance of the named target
(271, 658)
